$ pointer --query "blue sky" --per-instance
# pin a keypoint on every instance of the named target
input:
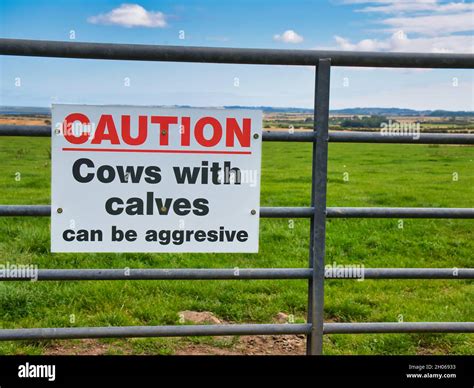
(378, 25)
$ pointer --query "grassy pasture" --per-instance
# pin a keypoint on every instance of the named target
(378, 175)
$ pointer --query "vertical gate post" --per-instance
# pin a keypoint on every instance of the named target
(318, 201)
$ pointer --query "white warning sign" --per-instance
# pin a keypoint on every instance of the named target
(147, 179)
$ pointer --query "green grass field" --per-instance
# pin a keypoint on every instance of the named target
(379, 175)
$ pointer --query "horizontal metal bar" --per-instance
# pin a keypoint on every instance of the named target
(296, 212)
(414, 273)
(371, 137)
(286, 212)
(399, 327)
(165, 274)
(152, 331)
(231, 329)
(399, 212)
(309, 136)
(422, 138)
(45, 211)
(25, 210)
(236, 274)
(286, 136)
(139, 52)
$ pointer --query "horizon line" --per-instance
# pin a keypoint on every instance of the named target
(248, 107)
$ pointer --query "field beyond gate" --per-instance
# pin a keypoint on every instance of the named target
(379, 175)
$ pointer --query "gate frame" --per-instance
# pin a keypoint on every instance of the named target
(315, 327)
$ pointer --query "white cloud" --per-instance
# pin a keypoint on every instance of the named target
(400, 42)
(424, 17)
(130, 15)
(289, 36)
(432, 24)
(402, 7)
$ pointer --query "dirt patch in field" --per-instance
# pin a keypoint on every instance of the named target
(252, 346)
(199, 317)
(225, 345)
(86, 347)
(244, 345)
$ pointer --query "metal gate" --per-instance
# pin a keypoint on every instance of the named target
(317, 212)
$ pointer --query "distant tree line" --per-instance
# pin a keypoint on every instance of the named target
(363, 122)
